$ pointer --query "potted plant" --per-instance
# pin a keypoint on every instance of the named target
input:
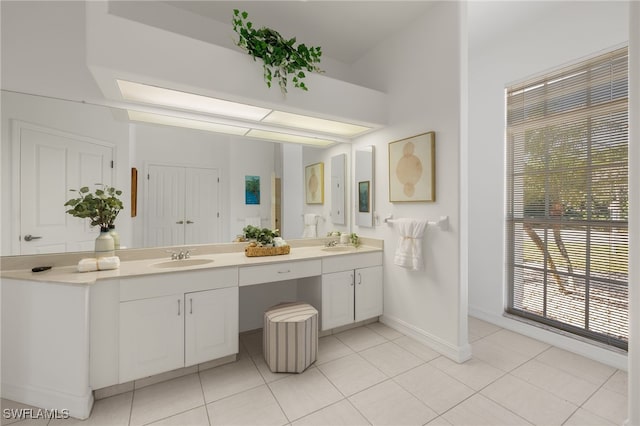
(279, 56)
(263, 237)
(101, 207)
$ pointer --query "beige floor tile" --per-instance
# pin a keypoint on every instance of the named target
(517, 342)
(561, 384)
(112, 411)
(619, 383)
(479, 410)
(439, 421)
(330, 348)
(352, 374)
(360, 338)
(196, 417)
(583, 417)
(474, 373)
(302, 394)
(388, 404)
(479, 329)
(230, 379)
(436, 389)
(253, 407)
(530, 402)
(266, 372)
(339, 414)
(15, 414)
(166, 399)
(384, 330)
(608, 404)
(577, 365)
(420, 350)
(391, 359)
(505, 359)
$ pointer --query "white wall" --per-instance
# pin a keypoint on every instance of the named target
(420, 67)
(573, 31)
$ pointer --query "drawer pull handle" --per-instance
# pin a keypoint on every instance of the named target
(178, 307)
(284, 272)
(191, 305)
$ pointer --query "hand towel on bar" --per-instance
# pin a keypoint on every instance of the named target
(253, 221)
(310, 226)
(88, 265)
(109, 262)
(409, 250)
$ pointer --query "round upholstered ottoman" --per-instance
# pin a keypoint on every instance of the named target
(290, 337)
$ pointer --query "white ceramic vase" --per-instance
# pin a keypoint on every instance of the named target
(104, 244)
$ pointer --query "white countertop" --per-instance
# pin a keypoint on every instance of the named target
(131, 268)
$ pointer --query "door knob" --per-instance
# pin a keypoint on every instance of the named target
(180, 222)
(189, 222)
(30, 237)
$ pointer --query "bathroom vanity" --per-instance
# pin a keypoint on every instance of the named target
(65, 333)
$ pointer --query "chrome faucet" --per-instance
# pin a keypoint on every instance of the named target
(331, 243)
(179, 255)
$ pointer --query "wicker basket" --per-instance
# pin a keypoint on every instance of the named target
(266, 251)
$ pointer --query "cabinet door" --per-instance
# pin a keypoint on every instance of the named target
(151, 336)
(337, 299)
(368, 292)
(211, 325)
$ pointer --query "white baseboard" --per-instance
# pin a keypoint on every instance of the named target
(612, 357)
(77, 406)
(458, 354)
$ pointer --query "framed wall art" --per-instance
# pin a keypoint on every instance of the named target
(412, 169)
(364, 197)
(314, 183)
(252, 189)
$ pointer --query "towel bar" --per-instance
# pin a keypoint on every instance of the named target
(442, 223)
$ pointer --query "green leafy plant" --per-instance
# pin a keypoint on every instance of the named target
(101, 207)
(355, 240)
(279, 55)
(262, 236)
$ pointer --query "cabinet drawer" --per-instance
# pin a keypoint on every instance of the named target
(279, 272)
(157, 285)
(351, 261)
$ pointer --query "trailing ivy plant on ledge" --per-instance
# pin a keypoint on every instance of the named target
(280, 57)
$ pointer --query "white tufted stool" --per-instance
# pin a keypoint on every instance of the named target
(290, 337)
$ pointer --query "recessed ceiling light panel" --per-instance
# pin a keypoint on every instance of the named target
(173, 98)
(167, 120)
(315, 124)
(287, 137)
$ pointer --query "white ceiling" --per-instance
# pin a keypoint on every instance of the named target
(345, 30)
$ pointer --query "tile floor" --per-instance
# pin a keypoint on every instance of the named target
(373, 375)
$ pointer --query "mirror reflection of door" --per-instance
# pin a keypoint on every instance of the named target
(51, 163)
(182, 205)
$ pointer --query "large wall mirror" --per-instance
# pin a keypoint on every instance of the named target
(338, 193)
(364, 186)
(193, 186)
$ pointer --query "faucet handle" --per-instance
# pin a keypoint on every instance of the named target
(187, 252)
(174, 254)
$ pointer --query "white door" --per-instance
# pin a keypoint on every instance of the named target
(337, 299)
(151, 336)
(165, 206)
(201, 206)
(52, 163)
(211, 325)
(182, 206)
(368, 292)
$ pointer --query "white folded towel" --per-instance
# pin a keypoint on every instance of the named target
(110, 262)
(88, 265)
(409, 250)
(310, 226)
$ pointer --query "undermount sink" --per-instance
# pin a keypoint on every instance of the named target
(181, 263)
(339, 248)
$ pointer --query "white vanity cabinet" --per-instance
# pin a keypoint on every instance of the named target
(176, 320)
(351, 289)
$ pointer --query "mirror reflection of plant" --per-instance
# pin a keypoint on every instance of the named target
(100, 207)
(279, 55)
(263, 236)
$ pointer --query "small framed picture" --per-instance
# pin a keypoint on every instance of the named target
(412, 168)
(364, 197)
(314, 183)
(252, 189)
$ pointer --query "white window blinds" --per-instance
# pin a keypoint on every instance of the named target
(567, 198)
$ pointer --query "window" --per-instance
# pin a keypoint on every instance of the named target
(567, 199)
